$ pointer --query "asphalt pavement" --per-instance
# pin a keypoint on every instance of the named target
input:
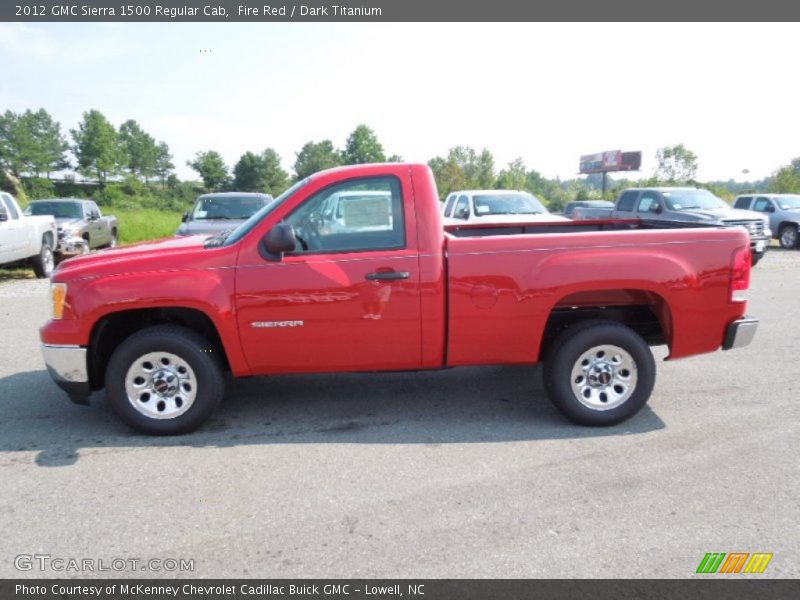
(461, 473)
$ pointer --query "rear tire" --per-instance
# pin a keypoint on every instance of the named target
(44, 262)
(787, 236)
(599, 373)
(164, 380)
(113, 241)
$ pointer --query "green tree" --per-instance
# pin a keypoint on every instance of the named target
(463, 168)
(786, 180)
(97, 147)
(260, 173)
(676, 164)
(513, 177)
(164, 165)
(141, 150)
(363, 147)
(211, 168)
(395, 158)
(315, 157)
(32, 143)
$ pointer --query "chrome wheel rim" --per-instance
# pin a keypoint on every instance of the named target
(113, 242)
(789, 237)
(604, 377)
(48, 261)
(161, 385)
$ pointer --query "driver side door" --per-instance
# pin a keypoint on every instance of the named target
(348, 297)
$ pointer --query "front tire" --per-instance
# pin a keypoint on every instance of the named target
(44, 262)
(164, 380)
(787, 236)
(599, 373)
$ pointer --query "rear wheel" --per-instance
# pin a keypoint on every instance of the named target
(164, 380)
(599, 373)
(112, 243)
(787, 236)
(44, 262)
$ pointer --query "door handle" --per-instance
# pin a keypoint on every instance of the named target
(387, 275)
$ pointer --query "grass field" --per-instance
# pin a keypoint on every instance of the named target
(146, 224)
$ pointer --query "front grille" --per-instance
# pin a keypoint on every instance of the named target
(753, 226)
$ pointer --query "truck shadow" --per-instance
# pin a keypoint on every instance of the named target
(467, 405)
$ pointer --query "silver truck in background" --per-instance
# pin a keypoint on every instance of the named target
(783, 212)
(684, 206)
(216, 212)
(81, 225)
(26, 238)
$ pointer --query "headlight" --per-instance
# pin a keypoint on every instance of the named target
(58, 294)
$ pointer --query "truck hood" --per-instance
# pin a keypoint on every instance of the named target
(152, 255)
(208, 226)
(721, 214)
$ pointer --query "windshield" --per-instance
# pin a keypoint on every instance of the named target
(226, 207)
(693, 199)
(231, 237)
(507, 204)
(788, 202)
(60, 210)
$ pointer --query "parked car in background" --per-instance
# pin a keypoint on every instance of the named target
(684, 206)
(26, 238)
(571, 206)
(217, 212)
(81, 225)
(783, 212)
(494, 206)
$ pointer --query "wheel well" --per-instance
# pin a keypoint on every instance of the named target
(110, 331)
(47, 238)
(644, 312)
(785, 223)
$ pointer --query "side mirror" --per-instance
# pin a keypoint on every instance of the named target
(185, 217)
(278, 240)
(770, 209)
(658, 209)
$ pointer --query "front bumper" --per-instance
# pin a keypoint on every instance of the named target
(67, 366)
(740, 333)
(69, 246)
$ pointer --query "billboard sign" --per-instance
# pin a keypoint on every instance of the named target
(610, 160)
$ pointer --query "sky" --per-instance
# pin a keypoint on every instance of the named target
(544, 92)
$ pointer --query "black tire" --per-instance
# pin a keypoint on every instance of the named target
(788, 236)
(44, 262)
(113, 242)
(188, 346)
(755, 258)
(88, 241)
(575, 342)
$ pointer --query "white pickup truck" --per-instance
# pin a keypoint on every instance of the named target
(26, 239)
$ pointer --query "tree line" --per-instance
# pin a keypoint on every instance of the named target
(33, 144)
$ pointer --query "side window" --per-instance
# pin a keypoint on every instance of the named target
(625, 202)
(357, 215)
(448, 209)
(743, 202)
(10, 207)
(93, 209)
(462, 208)
(762, 204)
(649, 203)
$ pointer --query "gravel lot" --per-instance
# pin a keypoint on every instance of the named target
(462, 473)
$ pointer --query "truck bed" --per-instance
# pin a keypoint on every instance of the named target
(594, 225)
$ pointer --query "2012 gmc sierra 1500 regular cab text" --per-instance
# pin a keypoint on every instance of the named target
(378, 285)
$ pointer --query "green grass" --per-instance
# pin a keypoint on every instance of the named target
(18, 273)
(145, 224)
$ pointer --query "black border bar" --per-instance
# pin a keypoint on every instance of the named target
(397, 10)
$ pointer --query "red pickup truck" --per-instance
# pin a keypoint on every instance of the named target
(351, 270)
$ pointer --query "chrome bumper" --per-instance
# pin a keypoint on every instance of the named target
(740, 333)
(67, 366)
(73, 245)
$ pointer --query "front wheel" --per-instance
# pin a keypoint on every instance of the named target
(44, 262)
(599, 373)
(787, 236)
(164, 380)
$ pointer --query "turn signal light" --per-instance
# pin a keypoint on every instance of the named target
(58, 293)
